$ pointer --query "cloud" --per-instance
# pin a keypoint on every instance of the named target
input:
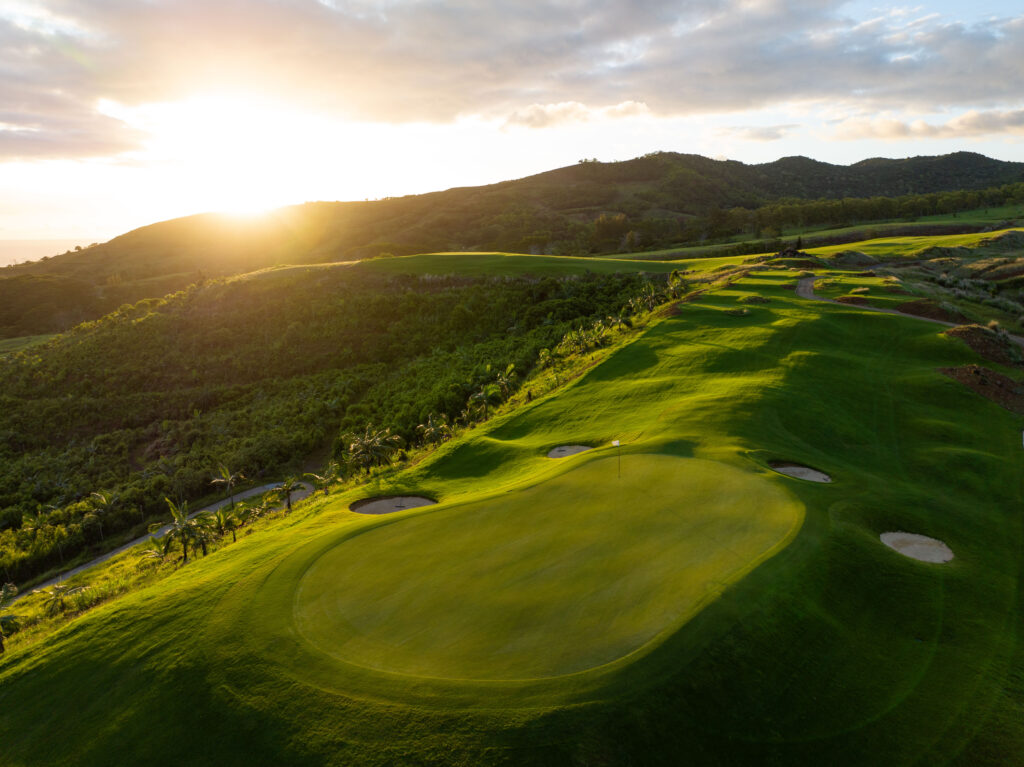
(761, 132)
(533, 64)
(547, 115)
(971, 124)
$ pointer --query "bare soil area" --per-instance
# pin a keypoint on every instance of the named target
(1002, 390)
(930, 310)
(987, 343)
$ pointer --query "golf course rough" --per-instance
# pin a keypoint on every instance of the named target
(565, 576)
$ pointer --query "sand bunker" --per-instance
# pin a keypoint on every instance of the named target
(563, 451)
(390, 504)
(799, 471)
(919, 547)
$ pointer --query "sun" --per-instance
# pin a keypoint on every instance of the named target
(232, 153)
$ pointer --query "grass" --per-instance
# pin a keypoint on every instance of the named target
(8, 345)
(772, 644)
(507, 264)
(539, 583)
(905, 247)
(813, 234)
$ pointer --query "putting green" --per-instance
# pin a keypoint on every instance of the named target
(564, 576)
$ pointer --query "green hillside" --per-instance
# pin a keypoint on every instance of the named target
(653, 202)
(260, 373)
(672, 601)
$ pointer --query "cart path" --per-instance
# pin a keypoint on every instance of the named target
(304, 491)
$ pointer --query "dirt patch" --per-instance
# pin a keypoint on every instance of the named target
(919, 547)
(1002, 390)
(988, 343)
(388, 504)
(564, 451)
(857, 300)
(930, 310)
(799, 471)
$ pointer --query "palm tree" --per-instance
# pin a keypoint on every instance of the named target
(180, 528)
(289, 486)
(229, 480)
(324, 481)
(224, 522)
(676, 283)
(487, 393)
(435, 431)
(507, 380)
(32, 524)
(57, 596)
(251, 512)
(202, 530)
(649, 295)
(7, 594)
(102, 503)
(158, 548)
(373, 448)
(465, 417)
(620, 320)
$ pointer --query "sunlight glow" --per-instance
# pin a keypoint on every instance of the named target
(234, 154)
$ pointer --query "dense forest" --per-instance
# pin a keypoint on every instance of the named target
(257, 374)
(656, 201)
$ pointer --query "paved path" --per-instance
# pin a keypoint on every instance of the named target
(305, 490)
(805, 289)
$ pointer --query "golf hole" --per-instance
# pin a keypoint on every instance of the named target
(799, 471)
(563, 451)
(919, 547)
(389, 504)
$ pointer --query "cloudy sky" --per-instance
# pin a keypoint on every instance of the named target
(118, 113)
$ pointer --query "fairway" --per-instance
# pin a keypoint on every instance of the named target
(561, 577)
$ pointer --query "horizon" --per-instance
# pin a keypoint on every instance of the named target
(22, 250)
(108, 128)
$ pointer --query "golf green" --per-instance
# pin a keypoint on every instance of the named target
(572, 573)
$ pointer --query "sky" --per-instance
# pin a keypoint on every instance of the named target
(119, 113)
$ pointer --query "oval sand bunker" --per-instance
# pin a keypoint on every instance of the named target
(799, 471)
(919, 547)
(389, 505)
(563, 451)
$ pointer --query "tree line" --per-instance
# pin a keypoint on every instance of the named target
(98, 426)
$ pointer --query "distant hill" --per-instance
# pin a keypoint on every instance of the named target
(582, 208)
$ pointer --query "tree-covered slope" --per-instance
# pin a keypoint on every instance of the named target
(257, 373)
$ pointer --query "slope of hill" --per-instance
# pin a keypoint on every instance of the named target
(258, 373)
(580, 209)
(675, 603)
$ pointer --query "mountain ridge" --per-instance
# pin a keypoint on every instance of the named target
(574, 210)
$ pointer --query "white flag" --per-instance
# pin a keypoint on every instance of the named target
(615, 443)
